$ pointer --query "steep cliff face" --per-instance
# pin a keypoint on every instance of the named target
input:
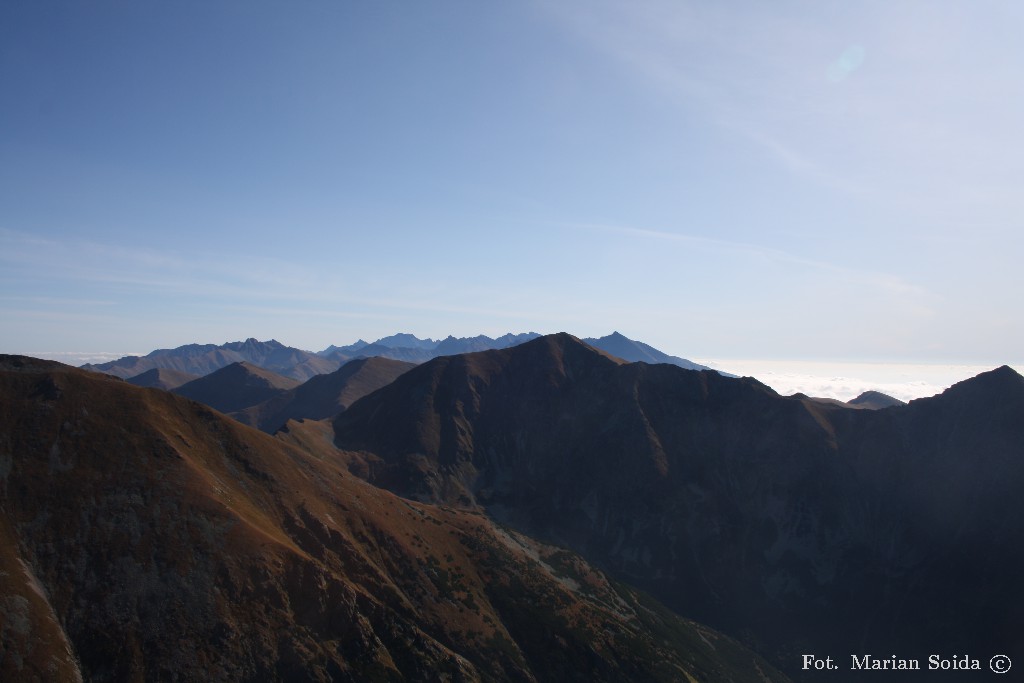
(788, 522)
(146, 537)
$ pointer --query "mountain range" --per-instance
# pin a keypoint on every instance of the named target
(202, 359)
(144, 536)
(265, 400)
(236, 386)
(323, 396)
(544, 511)
(162, 378)
(798, 525)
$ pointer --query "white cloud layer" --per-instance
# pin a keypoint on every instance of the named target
(847, 380)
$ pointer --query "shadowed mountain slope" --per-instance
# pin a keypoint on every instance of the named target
(797, 525)
(236, 386)
(324, 396)
(162, 378)
(146, 537)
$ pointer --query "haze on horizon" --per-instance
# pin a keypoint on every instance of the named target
(810, 180)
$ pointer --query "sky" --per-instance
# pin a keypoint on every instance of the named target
(816, 181)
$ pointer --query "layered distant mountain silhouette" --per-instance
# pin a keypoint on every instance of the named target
(869, 400)
(323, 396)
(162, 378)
(794, 524)
(635, 351)
(410, 348)
(798, 525)
(236, 386)
(405, 340)
(144, 536)
(202, 359)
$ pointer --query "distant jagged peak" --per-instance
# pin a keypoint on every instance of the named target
(452, 345)
(511, 339)
(202, 359)
(407, 346)
(252, 343)
(406, 340)
(357, 344)
(346, 350)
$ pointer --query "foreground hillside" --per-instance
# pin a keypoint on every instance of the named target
(144, 536)
(796, 525)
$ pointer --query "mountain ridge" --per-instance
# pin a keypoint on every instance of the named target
(635, 351)
(162, 378)
(203, 359)
(149, 537)
(236, 387)
(323, 396)
(780, 509)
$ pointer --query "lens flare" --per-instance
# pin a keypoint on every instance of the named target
(848, 62)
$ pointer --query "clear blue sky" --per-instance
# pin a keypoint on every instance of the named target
(744, 179)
